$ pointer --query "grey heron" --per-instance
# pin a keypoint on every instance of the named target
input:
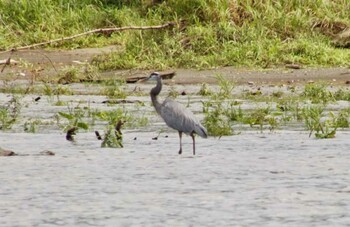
(175, 115)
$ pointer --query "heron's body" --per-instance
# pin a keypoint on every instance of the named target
(175, 115)
(185, 120)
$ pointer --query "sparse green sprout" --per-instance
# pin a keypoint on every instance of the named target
(90, 73)
(6, 121)
(60, 103)
(277, 94)
(318, 93)
(113, 136)
(173, 93)
(262, 116)
(75, 118)
(290, 109)
(114, 89)
(342, 118)
(215, 120)
(226, 87)
(31, 126)
(69, 75)
(316, 121)
(51, 90)
(9, 113)
(341, 94)
(204, 90)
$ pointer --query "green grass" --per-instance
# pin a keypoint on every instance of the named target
(208, 34)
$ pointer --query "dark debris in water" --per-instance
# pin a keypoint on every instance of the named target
(122, 101)
(70, 133)
(98, 136)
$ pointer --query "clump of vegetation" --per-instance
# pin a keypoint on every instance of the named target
(341, 94)
(318, 93)
(218, 113)
(204, 90)
(114, 89)
(261, 117)
(173, 93)
(324, 124)
(9, 113)
(73, 74)
(74, 121)
(30, 126)
(113, 136)
(217, 122)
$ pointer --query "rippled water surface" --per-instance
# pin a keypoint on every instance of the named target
(284, 178)
(253, 179)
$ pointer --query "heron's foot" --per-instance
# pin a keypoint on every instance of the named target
(180, 151)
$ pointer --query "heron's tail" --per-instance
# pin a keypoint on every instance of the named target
(201, 131)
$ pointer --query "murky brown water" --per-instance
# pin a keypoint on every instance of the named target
(282, 178)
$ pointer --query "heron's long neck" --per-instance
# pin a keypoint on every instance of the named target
(154, 95)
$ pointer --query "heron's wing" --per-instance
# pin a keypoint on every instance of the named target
(178, 117)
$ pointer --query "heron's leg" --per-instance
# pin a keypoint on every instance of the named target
(194, 143)
(180, 135)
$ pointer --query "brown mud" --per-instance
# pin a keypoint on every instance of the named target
(49, 62)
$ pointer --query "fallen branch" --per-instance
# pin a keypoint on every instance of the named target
(99, 30)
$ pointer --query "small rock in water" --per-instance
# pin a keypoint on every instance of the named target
(250, 83)
(4, 152)
(347, 82)
(183, 93)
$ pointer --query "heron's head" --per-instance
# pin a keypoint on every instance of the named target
(154, 76)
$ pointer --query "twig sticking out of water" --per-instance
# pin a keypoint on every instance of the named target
(71, 133)
(98, 136)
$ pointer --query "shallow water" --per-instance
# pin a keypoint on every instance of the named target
(284, 178)
(252, 179)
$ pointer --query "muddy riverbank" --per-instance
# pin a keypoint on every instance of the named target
(51, 62)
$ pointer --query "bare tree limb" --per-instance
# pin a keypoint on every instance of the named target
(99, 30)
